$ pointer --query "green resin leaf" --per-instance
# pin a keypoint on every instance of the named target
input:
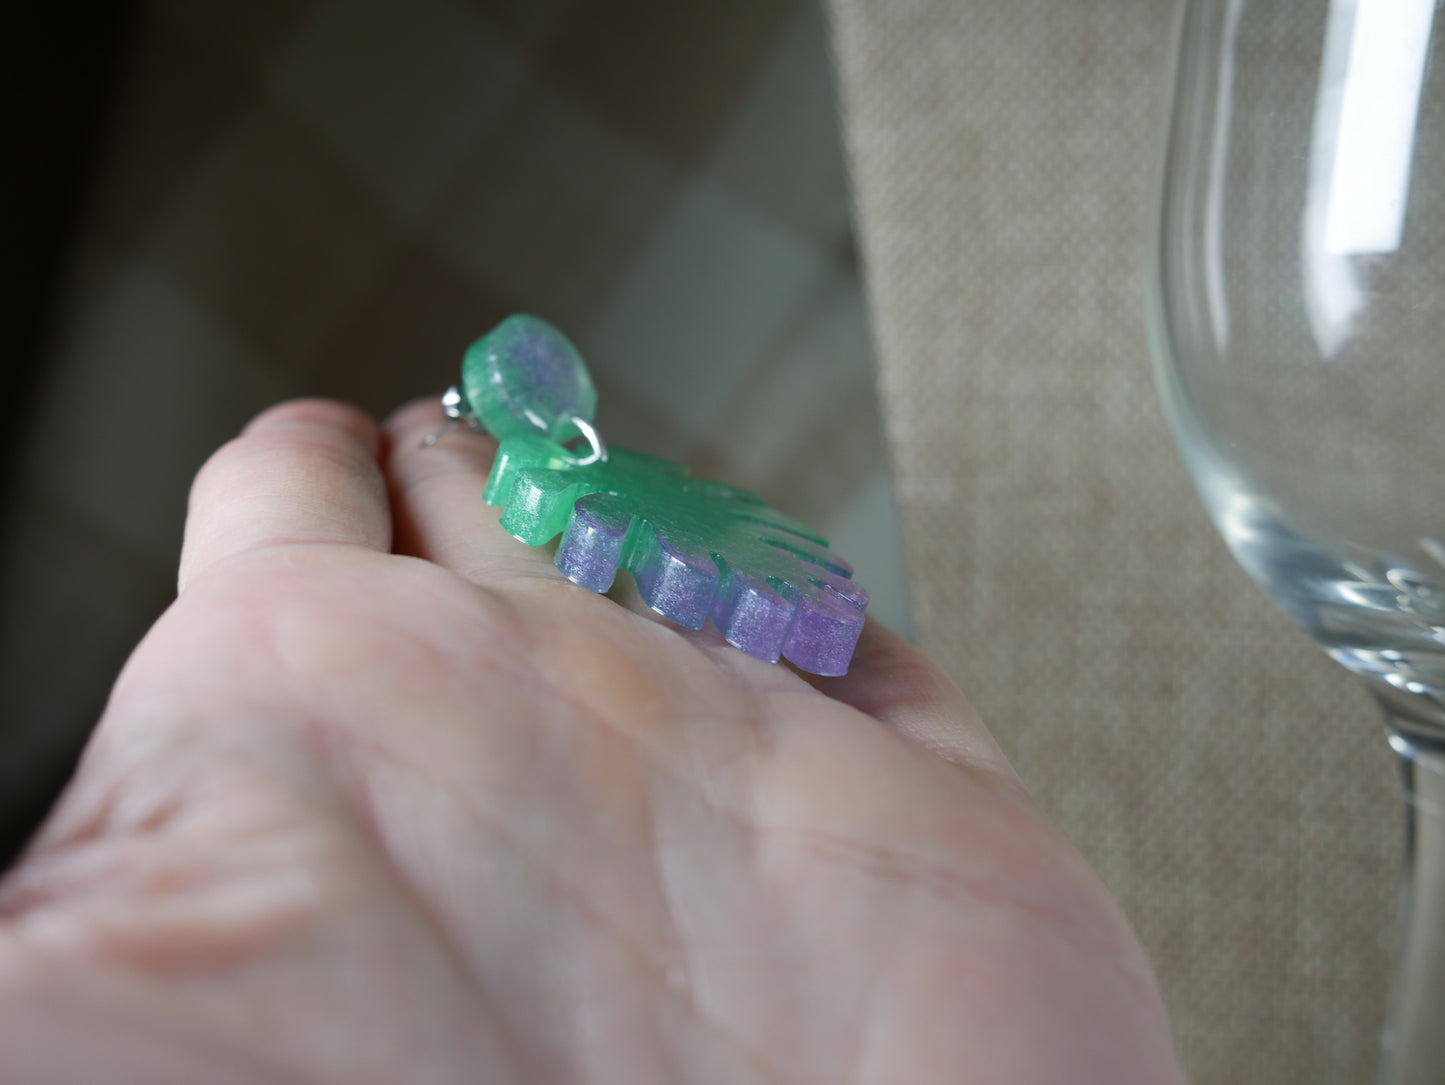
(696, 549)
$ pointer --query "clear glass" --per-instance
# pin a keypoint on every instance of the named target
(1298, 311)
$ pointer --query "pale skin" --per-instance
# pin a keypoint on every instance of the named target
(382, 798)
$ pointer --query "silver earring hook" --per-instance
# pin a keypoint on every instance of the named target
(454, 407)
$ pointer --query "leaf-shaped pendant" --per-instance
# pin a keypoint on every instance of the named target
(696, 549)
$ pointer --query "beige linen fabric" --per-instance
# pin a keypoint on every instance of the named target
(1228, 780)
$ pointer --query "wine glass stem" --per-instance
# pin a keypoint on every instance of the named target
(1413, 1042)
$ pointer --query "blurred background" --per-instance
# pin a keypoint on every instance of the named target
(211, 206)
(1229, 781)
(254, 201)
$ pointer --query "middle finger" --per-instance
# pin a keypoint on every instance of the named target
(437, 506)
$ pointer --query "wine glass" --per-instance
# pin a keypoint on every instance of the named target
(1297, 307)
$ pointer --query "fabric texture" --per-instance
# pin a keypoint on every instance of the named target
(1229, 781)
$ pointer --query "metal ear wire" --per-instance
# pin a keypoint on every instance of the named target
(453, 406)
(432, 438)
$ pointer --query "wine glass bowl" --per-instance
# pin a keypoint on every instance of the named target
(1297, 307)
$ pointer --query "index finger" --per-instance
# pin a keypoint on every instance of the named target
(302, 472)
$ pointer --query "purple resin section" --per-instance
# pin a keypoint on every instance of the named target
(592, 544)
(678, 585)
(827, 628)
(754, 617)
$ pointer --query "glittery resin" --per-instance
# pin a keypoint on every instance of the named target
(696, 549)
(524, 376)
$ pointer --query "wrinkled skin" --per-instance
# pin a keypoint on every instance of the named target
(382, 798)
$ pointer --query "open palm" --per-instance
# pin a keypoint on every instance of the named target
(384, 798)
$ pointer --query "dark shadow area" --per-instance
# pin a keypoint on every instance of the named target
(58, 68)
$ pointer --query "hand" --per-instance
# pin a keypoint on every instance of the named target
(383, 798)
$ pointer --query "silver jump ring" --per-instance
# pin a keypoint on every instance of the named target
(589, 431)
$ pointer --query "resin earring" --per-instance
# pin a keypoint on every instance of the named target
(696, 549)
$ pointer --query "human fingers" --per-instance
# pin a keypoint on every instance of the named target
(895, 683)
(301, 472)
(436, 495)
